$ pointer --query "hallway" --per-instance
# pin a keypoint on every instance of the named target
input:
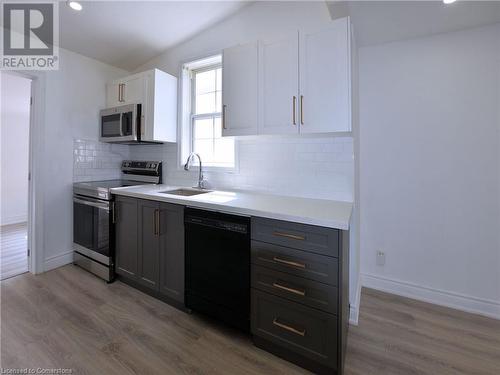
(14, 245)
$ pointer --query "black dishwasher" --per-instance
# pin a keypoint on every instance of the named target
(217, 265)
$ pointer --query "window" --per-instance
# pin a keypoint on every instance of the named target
(205, 138)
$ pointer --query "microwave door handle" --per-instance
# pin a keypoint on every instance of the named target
(121, 124)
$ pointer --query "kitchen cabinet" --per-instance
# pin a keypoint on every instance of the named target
(126, 217)
(299, 276)
(128, 90)
(150, 246)
(240, 90)
(172, 251)
(325, 92)
(302, 83)
(156, 91)
(300, 291)
(279, 85)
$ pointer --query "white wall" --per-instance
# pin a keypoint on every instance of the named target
(15, 123)
(73, 96)
(430, 168)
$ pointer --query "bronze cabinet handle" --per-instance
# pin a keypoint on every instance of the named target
(300, 332)
(302, 110)
(288, 235)
(123, 92)
(289, 263)
(157, 222)
(224, 116)
(291, 290)
(120, 92)
(294, 101)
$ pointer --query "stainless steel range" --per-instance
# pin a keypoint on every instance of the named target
(93, 216)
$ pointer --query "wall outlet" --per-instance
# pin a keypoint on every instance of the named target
(380, 258)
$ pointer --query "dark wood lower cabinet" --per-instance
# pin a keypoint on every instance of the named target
(126, 250)
(172, 251)
(300, 293)
(150, 247)
(148, 244)
(300, 278)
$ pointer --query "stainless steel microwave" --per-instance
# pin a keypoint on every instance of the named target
(121, 124)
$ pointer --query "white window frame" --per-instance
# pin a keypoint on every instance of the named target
(187, 117)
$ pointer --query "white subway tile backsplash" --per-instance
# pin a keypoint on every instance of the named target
(321, 167)
(94, 160)
(313, 167)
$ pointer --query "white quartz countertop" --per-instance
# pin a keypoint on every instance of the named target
(321, 212)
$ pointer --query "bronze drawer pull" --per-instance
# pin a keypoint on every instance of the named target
(291, 290)
(289, 262)
(288, 235)
(300, 332)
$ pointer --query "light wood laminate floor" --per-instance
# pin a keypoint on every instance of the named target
(67, 318)
(13, 250)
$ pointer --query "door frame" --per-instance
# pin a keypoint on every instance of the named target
(35, 169)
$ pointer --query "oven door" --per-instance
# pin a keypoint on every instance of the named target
(120, 124)
(92, 228)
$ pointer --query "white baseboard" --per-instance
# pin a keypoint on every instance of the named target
(14, 219)
(58, 261)
(485, 307)
(354, 310)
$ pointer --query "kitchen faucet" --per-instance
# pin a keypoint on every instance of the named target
(201, 181)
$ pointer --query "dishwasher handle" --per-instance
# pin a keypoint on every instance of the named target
(218, 224)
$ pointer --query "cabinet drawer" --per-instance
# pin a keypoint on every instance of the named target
(300, 263)
(306, 331)
(298, 289)
(298, 236)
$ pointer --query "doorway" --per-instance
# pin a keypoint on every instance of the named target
(15, 124)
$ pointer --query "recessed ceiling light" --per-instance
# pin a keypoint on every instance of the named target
(449, 1)
(75, 5)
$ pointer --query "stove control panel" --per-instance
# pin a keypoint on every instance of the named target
(128, 165)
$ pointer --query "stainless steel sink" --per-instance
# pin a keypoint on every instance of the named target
(185, 192)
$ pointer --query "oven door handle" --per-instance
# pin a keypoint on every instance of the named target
(102, 206)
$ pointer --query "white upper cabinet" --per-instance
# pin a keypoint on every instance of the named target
(156, 91)
(240, 90)
(127, 90)
(325, 83)
(296, 83)
(113, 94)
(134, 89)
(279, 85)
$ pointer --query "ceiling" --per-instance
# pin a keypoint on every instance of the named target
(378, 22)
(127, 34)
